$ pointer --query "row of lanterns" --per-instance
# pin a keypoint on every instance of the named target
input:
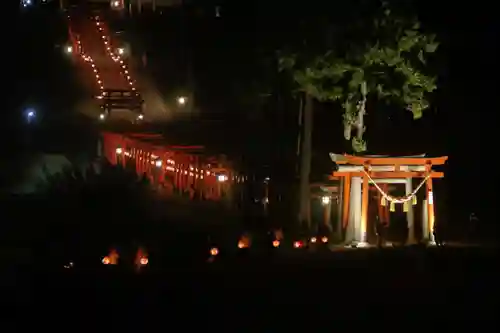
(142, 259)
(89, 59)
(113, 56)
(171, 166)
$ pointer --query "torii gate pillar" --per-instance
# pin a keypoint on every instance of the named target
(410, 216)
(353, 232)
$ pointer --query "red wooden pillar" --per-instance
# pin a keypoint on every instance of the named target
(430, 206)
(185, 178)
(180, 183)
(176, 176)
(137, 163)
(180, 178)
(143, 162)
(124, 156)
(364, 206)
(161, 171)
(138, 156)
(151, 167)
(114, 160)
(386, 209)
(346, 200)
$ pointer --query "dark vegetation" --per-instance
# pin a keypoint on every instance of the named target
(78, 215)
(243, 96)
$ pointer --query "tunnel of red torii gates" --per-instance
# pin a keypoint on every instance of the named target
(361, 175)
(184, 169)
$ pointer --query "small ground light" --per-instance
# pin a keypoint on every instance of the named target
(325, 200)
(314, 239)
(214, 251)
(144, 261)
(297, 244)
(106, 260)
(69, 49)
(276, 243)
(244, 243)
(324, 239)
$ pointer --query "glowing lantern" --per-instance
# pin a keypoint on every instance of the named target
(314, 239)
(244, 242)
(324, 239)
(276, 243)
(214, 251)
(297, 244)
(141, 257)
(111, 258)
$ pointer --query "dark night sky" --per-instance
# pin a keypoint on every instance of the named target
(466, 61)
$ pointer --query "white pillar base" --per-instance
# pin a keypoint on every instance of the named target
(361, 245)
(353, 233)
(425, 225)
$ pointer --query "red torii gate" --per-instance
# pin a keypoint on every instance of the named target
(357, 172)
(184, 168)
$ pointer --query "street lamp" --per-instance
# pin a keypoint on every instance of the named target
(30, 115)
(69, 49)
(181, 100)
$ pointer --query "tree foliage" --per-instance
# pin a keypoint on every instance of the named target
(383, 58)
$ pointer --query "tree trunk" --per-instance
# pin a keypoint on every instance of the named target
(340, 207)
(360, 125)
(359, 145)
(305, 162)
(300, 122)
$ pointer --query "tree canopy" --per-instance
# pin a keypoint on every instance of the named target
(381, 56)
